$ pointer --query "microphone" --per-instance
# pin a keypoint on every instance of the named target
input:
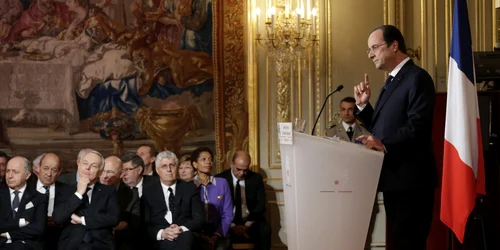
(339, 88)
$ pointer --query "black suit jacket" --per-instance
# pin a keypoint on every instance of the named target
(402, 120)
(130, 212)
(148, 181)
(36, 215)
(255, 193)
(189, 209)
(68, 178)
(101, 216)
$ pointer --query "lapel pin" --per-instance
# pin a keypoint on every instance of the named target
(219, 197)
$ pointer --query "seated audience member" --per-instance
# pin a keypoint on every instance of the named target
(216, 196)
(171, 208)
(186, 170)
(36, 170)
(133, 166)
(36, 164)
(147, 153)
(350, 128)
(249, 200)
(46, 184)
(4, 158)
(129, 203)
(71, 178)
(23, 212)
(89, 215)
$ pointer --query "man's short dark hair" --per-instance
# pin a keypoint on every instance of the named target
(152, 150)
(348, 99)
(4, 155)
(391, 34)
(133, 158)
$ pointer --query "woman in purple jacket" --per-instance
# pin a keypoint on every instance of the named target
(216, 197)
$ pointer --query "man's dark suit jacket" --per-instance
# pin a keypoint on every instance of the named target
(130, 212)
(402, 120)
(53, 231)
(101, 216)
(148, 181)
(255, 193)
(188, 213)
(68, 178)
(32, 233)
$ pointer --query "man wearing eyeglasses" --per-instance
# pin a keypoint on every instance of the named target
(133, 167)
(401, 126)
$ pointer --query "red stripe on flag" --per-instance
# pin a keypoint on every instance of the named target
(458, 193)
(480, 180)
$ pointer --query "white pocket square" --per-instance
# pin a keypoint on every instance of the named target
(29, 205)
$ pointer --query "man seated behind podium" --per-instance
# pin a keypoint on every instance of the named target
(350, 128)
(249, 199)
(48, 170)
(89, 215)
(23, 212)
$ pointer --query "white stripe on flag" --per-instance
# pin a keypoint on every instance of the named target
(461, 116)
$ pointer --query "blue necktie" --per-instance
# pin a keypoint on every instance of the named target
(15, 203)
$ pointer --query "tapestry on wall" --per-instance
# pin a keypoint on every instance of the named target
(126, 69)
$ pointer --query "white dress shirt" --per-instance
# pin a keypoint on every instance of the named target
(89, 194)
(244, 208)
(169, 214)
(22, 221)
(346, 126)
(52, 192)
(139, 187)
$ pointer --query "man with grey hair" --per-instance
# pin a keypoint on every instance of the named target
(89, 215)
(72, 178)
(172, 208)
(23, 211)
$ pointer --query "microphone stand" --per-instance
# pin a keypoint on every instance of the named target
(339, 88)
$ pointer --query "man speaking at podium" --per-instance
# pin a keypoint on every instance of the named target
(401, 126)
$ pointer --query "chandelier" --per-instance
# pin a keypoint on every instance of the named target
(288, 31)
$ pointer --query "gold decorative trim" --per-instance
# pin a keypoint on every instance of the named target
(252, 91)
(436, 44)
(316, 50)
(423, 27)
(448, 20)
(329, 69)
(299, 89)
(476, 44)
(494, 25)
(386, 14)
(279, 203)
(273, 179)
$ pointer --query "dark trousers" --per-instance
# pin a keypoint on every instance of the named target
(51, 238)
(184, 241)
(259, 233)
(409, 214)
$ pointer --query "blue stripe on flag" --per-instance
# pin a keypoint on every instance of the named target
(461, 42)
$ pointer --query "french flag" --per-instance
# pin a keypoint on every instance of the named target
(463, 162)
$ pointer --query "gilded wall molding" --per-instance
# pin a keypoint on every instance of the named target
(252, 89)
(231, 114)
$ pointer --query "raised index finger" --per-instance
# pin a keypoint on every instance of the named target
(367, 82)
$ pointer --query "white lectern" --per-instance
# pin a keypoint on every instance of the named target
(329, 189)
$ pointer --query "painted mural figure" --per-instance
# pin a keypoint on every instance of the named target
(10, 10)
(42, 18)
